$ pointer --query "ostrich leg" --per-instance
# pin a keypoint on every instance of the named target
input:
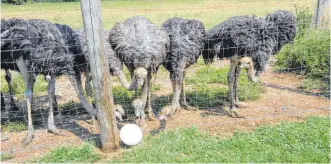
(151, 115)
(176, 90)
(183, 102)
(29, 82)
(139, 105)
(8, 79)
(88, 87)
(237, 103)
(88, 90)
(231, 80)
(51, 97)
(136, 89)
(77, 83)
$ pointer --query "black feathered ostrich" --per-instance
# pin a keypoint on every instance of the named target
(37, 47)
(142, 47)
(6, 60)
(186, 44)
(285, 22)
(249, 42)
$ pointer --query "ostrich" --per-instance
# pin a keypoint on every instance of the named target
(142, 47)
(37, 47)
(6, 62)
(76, 41)
(186, 45)
(285, 22)
(249, 42)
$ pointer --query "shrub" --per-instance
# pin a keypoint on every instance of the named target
(311, 52)
(16, 2)
(304, 16)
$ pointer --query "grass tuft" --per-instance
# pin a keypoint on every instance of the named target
(6, 157)
(306, 142)
(13, 127)
(67, 154)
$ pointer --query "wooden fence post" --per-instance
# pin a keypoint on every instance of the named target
(101, 77)
(321, 12)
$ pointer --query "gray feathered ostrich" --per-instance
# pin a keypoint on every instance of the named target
(142, 47)
(285, 22)
(78, 46)
(37, 47)
(186, 44)
(249, 42)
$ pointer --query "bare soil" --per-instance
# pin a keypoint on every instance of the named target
(281, 101)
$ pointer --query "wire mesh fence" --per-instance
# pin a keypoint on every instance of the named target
(53, 58)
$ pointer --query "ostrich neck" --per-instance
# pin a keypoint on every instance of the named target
(129, 86)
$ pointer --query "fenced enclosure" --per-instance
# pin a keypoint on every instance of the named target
(295, 85)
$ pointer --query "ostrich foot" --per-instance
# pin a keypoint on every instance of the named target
(141, 123)
(53, 130)
(188, 107)
(151, 117)
(94, 123)
(240, 104)
(28, 138)
(233, 113)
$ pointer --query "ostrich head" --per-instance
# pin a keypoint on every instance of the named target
(208, 53)
(119, 112)
(248, 64)
(140, 75)
(255, 64)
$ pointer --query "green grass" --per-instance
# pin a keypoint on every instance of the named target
(6, 157)
(310, 84)
(18, 84)
(305, 142)
(211, 12)
(210, 75)
(69, 154)
(13, 127)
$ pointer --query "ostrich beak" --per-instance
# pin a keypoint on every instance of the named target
(248, 64)
(118, 115)
(140, 82)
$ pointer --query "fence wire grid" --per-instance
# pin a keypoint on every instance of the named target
(206, 85)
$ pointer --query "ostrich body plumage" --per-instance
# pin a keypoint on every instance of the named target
(186, 44)
(38, 47)
(40, 44)
(139, 43)
(141, 46)
(241, 36)
(285, 22)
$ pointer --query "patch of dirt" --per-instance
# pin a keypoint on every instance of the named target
(281, 101)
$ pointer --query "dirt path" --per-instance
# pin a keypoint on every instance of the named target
(281, 101)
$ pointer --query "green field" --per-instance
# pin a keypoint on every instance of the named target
(211, 12)
(305, 142)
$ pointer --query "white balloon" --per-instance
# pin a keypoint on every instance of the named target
(131, 134)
